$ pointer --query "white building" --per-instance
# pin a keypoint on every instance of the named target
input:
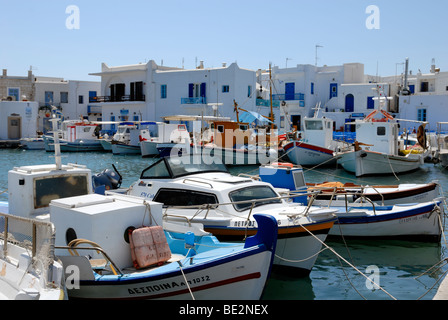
(18, 119)
(428, 98)
(300, 89)
(149, 92)
(72, 98)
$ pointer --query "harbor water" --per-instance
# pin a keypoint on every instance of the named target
(398, 267)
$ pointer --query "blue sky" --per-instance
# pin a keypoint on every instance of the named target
(251, 33)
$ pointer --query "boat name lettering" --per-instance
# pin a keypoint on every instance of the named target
(415, 218)
(147, 195)
(244, 223)
(166, 286)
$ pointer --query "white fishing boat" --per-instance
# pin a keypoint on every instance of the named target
(315, 144)
(129, 261)
(75, 136)
(291, 178)
(235, 143)
(136, 136)
(167, 133)
(381, 154)
(409, 211)
(34, 143)
(195, 190)
(28, 267)
(198, 267)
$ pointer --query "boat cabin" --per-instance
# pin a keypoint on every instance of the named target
(228, 134)
(78, 130)
(31, 188)
(318, 131)
(381, 135)
(192, 182)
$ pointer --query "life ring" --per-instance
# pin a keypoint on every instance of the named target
(283, 164)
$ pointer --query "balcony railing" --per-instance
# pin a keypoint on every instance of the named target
(117, 98)
(286, 97)
(267, 103)
(94, 109)
(195, 100)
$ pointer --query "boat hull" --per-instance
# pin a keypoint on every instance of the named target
(206, 269)
(297, 249)
(365, 162)
(149, 148)
(239, 157)
(119, 148)
(385, 195)
(76, 146)
(237, 277)
(32, 144)
(405, 221)
(304, 154)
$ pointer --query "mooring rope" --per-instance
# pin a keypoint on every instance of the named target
(343, 259)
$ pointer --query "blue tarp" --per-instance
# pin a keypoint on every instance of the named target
(252, 116)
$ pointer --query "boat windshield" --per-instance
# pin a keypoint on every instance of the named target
(259, 195)
(173, 167)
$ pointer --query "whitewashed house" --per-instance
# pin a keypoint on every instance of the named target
(18, 119)
(427, 99)
(73, 98)
(298, 90)
(149, 92)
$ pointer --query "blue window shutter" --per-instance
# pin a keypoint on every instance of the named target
(190, 90)
(370, 103)
(203, 86)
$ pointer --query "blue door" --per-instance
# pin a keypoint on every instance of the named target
(333, 90)
(290, 89)
(49, 98)
(349, 103)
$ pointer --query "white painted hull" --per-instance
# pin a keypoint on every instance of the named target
(149, 148)
(106, 144)
(118, 148)
(413, 221)
(33, 144)
(308, 155)
(232, 278)
(297, 250)
(24, 274)
(232, 157)
(365, 162)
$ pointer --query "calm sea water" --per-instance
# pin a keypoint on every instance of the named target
(399, 263)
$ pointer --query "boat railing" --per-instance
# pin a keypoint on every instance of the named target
(73, 246)
(341, 191)
(35, 236)
(197, 181)
(253, 202)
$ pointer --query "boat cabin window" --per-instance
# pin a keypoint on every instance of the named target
(381, 131)
(262, 194)
(313, 125)
(220, 128)
(158, 170)
(243, 127)
(50, 188)
(181, 166)
(179, 197)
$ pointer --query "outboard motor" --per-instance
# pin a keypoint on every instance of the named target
(108, 179)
